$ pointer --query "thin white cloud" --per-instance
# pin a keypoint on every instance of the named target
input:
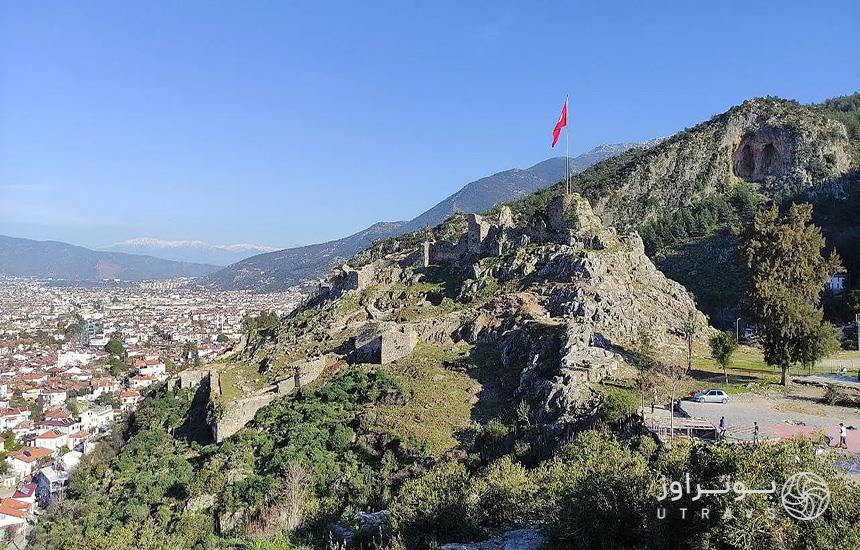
(162, 243)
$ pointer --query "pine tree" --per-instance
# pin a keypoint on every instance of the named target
(788, 276)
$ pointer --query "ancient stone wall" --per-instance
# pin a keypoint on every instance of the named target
(303, 374)
(346, 279)
(227, 418)
(237, 415)
(477, 232)
(190, 378)
(384, 342)
(444, 252)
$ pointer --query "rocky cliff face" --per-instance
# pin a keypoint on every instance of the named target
(563, 301)
(780, 146)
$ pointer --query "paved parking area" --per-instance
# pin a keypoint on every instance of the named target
(778, 417)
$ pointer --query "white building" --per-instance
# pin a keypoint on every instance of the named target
(836, 285)
(24, 461)
(129, 399)
(97, 417)
(52, 439)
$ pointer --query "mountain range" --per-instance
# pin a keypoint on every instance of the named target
(58, 260)
(283, 268)
(189, 250)
(246, 268)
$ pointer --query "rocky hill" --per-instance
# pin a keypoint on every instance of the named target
(461, 381)
(685, 194)
(564, 304)
(283, 268)
(779, 146)
(410, 356)
(58, 260)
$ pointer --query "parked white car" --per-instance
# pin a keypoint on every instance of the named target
(711, 396)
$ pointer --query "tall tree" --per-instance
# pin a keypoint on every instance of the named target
(788, 277)
(115, 347)
(690, 329)
(723, 345)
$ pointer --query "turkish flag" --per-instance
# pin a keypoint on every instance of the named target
(562, 122)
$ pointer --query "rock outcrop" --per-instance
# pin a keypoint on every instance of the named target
(564, 302)
(519, 539)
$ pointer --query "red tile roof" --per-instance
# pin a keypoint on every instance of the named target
(9, 510)
(31, 454)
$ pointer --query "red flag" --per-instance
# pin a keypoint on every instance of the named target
(562, 122)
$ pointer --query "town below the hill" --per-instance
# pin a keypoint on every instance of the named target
(76, 359)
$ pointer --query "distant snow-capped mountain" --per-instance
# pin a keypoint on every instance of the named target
(189, 250)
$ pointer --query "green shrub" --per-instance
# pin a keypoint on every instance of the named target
(618, 404)
(504, 496)
(434, 507)
(493, 440)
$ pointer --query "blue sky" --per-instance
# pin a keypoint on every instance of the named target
(286, 123)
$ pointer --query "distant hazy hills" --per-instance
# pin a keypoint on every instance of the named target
(280, 269)
(189, 251)
(43, 259)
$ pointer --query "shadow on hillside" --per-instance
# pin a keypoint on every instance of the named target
(712, 270)
(195, 427)
(449, 279)
(718, 378)
(497, 397)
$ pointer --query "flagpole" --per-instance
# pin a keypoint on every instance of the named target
(567, 148)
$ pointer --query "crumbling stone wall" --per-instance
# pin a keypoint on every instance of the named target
(444, 252)
(191, 378)
(483, 237)
(384, 342)
(303, 374)
(477, 232)
(237, 415)
(225, 419)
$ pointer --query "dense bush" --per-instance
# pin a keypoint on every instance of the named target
(307, 462)
(699, 220)
(599, 492)
(133, 491)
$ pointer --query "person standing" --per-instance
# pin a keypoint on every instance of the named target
(755, 433)
(843, 436)
(722, 427)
